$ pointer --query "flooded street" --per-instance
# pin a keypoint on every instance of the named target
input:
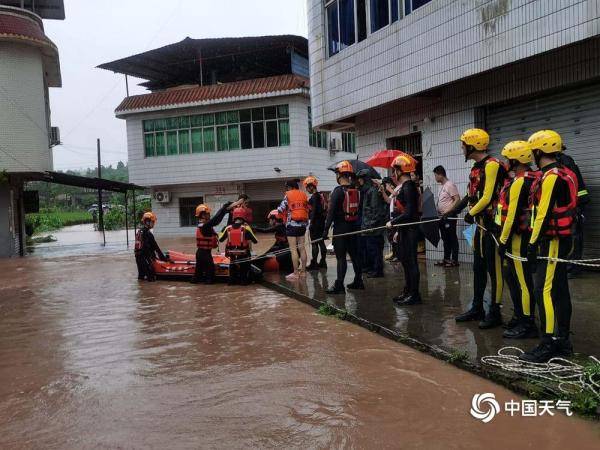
(92, 358)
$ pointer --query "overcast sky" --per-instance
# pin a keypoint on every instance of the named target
(96, 32)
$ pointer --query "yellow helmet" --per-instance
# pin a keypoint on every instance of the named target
(547, 141)
(202, 209)
(519, 151)
(477, 138)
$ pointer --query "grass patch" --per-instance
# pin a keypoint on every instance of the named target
(458, 356)
(49, 221)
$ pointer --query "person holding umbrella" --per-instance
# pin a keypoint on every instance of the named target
(405, 202)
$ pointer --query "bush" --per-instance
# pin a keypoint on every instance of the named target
(53, 220)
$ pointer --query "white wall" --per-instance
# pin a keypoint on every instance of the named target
(23, 121)
(437, 44)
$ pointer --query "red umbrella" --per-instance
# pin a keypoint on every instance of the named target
(383, 158)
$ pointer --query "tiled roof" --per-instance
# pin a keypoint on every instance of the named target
(13, 26)
(209, 94)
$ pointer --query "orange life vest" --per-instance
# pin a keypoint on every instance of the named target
(297, 205)
(561, 220)
(351, 204)
(523, 220)
(205, 242)
(477, 184)
(237, 244)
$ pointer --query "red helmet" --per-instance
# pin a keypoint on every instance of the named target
(275, 215)
(310, 180)
(149, 216)
(344, 167)
(239, 213)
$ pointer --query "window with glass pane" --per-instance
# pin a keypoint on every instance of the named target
(349, 142)
(233, 132)
(284, 133)
(208, 120)
(222, 139)
(184, 122)
(258, 134)
(246, 135)
(380, 14)
(347, 29)
(187, 211)
(172, 123)
(172, 143)
(333, 32)
(395, 10)
(160, 144)
(149, 144)
(411, 5)
(270, 113)
(257, 114)
(196, 121)
(148, 125)
(160, 125)
(221, 118)
(246, 115)
(283, 111)
(184, 141)
(209, 139)
(272, 131)
(233, 117)
(197, 140)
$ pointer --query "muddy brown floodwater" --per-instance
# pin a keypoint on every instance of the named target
(91, 358)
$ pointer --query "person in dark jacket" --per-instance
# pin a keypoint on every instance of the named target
(583, 198)
(406, 210)
(342, 213)
(374, 215)
(317, 211)
(206, 240)
(146, 248)
(284, 258)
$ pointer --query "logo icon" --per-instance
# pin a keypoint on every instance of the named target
(484, 407)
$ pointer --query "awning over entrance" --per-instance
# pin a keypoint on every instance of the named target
(76, 180)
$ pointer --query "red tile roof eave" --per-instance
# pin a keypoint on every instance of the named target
(164, 107)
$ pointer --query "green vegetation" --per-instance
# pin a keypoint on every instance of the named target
(326, 310)
(53, 220)
(458, 356)
(114, 219)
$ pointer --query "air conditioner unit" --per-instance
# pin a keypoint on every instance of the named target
(335, 145)
(162, 197)
(54, 136)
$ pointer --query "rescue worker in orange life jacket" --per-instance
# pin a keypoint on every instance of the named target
(206, 241)
(514, 217)
(146, 249)
(277, 226)
(343, 214)
(406, 210)
(239, 239)
(554, 202)
(485, 182)
(317, 205)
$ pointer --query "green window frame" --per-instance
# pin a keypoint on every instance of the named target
(316, 138)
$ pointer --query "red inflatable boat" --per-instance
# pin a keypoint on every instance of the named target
(183, 265)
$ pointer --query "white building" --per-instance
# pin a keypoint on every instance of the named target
(225, 116)
(29, 65)
(413, 74)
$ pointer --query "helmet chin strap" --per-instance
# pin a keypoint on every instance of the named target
(468, 153)
(537, 156)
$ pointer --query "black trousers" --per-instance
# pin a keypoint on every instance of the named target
(144, 266)
(552, 287)
(316, 232)
(486, 261)
(205, 266)
(519, 277)
(578, 244)
(375, 244)
(450, 239)
(344, 246)
(284, 259)
(408, 241)
(239, 273)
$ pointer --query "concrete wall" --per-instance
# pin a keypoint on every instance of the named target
(442, 119)
(23, 119)
(439, 43)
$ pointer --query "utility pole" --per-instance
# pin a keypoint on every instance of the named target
(100, 206)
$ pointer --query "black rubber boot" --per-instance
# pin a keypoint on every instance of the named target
(375, 275)
(563, 346)
(513, 322)
(524, 330)
(410, 300)
(542, 353)
(492, 319)
(356, 284)
(312, 266)
(323, 264)
(337, 288)
(476, 312)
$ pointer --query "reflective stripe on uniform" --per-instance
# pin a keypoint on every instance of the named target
(548, 284)
(525, 294)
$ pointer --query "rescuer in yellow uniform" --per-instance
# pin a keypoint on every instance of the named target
(554, 201)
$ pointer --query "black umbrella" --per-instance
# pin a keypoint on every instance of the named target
(431, 230)
(357, 165)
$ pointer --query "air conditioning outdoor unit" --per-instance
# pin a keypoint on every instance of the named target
(162, 197)
(54, 136)
(335, 145)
